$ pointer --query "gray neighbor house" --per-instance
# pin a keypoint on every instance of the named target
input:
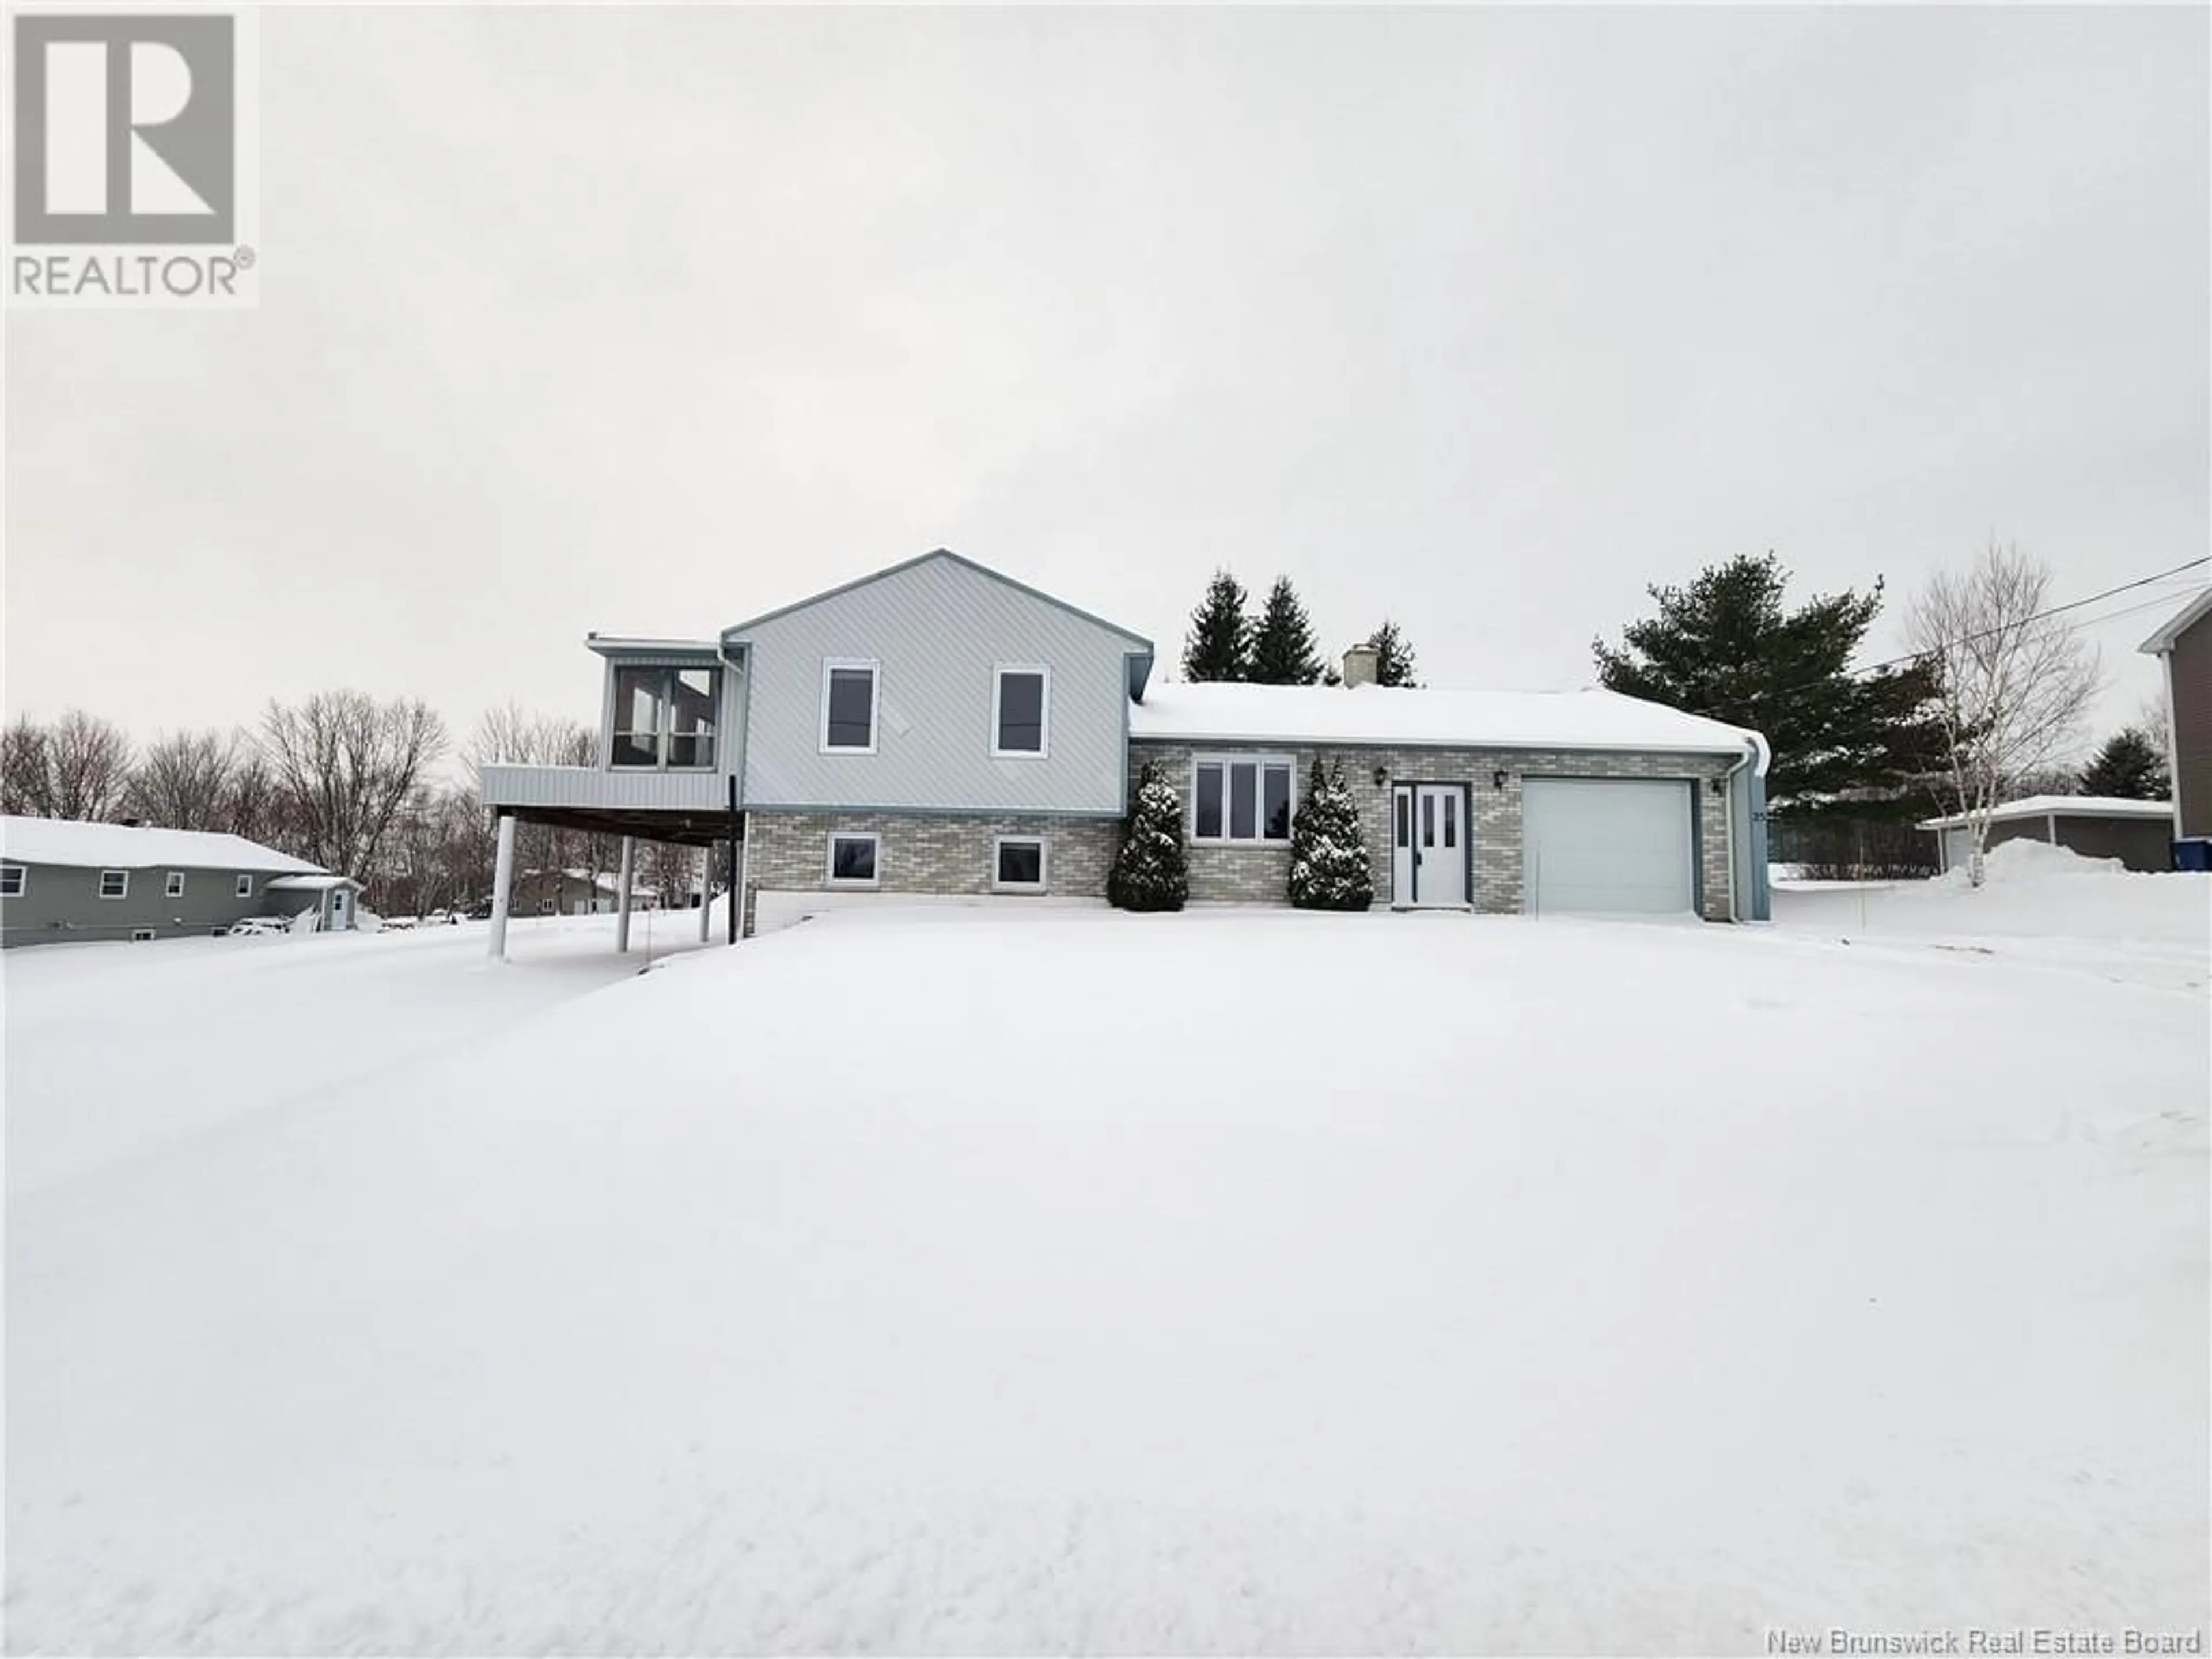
(938, 732)
(2184, 648)
(63, 881)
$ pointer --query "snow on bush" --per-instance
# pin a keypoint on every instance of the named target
(1149, 871)
(1328, 854)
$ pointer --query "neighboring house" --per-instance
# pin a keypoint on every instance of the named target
(2136, 832)
(2184, 647)
(574, 893)
(938, 729)
(61, 879)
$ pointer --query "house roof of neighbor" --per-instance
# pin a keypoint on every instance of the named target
(2073, 807)
(318, 884)
(2178, 623)
(120, 847)
(1586, 720)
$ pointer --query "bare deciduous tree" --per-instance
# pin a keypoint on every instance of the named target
(80, 767)
(2015, 681)
(345, 766)
(25, 787)
(513, 734)
(185, 781)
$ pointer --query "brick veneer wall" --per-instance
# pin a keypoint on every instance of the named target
(1259, 874)
(932, 854)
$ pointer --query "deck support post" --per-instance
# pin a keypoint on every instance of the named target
(706, 893)
(622, 894)
(502, 885)
(736, 867)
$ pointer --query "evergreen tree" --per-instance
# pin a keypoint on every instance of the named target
(1727, 647)
(1282, 651)
(1394, 657)
(1220, 644)
(2130, 766)
(1328, 854)
(1149, 871)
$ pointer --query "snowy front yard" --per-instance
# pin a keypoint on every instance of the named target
(1210, 1283)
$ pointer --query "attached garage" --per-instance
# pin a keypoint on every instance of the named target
(1613, 846)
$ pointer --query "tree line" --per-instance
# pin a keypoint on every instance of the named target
(340, 779)
(1277, 647)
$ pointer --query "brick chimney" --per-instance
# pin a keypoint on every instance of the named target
(1360, 665)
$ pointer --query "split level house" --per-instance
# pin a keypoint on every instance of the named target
(62, 880)
(937, 730)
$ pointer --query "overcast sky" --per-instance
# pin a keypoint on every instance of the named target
(647, 321)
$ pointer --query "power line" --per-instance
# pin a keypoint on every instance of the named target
(1983, 633)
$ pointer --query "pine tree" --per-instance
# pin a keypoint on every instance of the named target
(1328, 854)
(1149, 871)
(1282, 651)
(1728, 646)
(2130, 766)
(1394, 657)
(1220, 644)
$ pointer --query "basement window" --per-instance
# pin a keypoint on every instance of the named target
(852, 860)
(1017, 864)
(139, 935)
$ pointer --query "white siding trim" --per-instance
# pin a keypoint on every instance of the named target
(875, 669)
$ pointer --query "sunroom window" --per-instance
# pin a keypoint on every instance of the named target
(665, 717)
(1240, 798)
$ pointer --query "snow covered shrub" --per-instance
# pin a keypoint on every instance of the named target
(1328, 854)
(1149, 871)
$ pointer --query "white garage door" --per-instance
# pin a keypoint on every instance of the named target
(1611, 845)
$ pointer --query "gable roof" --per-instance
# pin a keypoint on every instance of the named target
(2179, 623)
(2064, 807)
(1395, 715)
(72, 844)
(737, 631)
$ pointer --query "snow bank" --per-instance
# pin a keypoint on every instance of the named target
(1212, 1283)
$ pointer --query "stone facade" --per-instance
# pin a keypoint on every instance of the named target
(1259, 874)
(931, 853)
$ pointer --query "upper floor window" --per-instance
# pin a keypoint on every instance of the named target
(849, 701)
(1240, 798)
(666, 716)
(1019, 696)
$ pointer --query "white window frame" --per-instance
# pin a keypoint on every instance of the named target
(142, 935)
(124, 892)
(14, 880)
(1260, 807)
(875, 670)
(829, 876)
(172, 884)
(243, 888)
(1043, 671)
(1044, 864)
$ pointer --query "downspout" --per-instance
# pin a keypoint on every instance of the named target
(1754, 862)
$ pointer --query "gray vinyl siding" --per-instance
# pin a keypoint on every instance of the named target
(62, 903)
(937, 628)
(638, 789)
(2188, 666)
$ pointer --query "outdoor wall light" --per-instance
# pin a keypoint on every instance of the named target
(1720, 786)
(1497, 778)
(1381, 776)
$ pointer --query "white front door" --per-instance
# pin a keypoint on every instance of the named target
(337, 909)
(1428, 844)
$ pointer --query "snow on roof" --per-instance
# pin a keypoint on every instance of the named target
(1587, 718)
(2178, 623)
(310, 883)
(119, 847)
(2038, 806)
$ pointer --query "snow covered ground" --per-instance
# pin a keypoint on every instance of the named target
(942, 1282)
